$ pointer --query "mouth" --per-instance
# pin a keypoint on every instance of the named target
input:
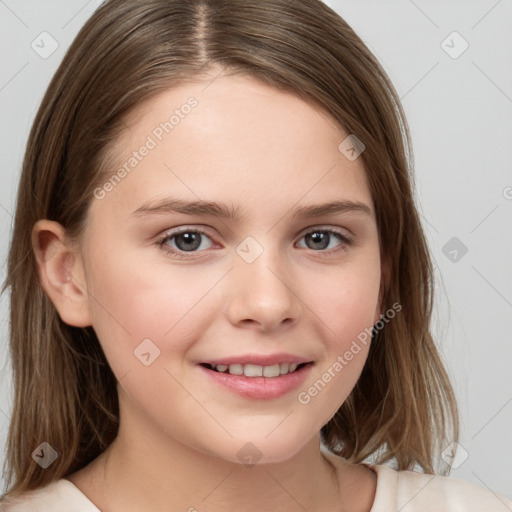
(255, 370)
(257, 381)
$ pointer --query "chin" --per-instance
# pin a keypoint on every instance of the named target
(258, 449)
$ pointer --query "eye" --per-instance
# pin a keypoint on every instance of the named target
(185, 240)
(320, 239)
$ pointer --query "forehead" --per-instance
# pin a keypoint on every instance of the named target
(236, 140)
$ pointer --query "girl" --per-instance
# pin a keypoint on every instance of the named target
(220, 289)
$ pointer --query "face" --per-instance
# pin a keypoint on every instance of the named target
(208, 258)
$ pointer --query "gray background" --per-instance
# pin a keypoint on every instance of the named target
(459, 108)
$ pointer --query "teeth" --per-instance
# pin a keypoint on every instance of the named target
(236, 369)
(255, 370)
(271, 371)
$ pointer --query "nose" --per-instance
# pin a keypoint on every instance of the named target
(261, 294)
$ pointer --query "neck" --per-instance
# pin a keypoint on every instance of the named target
(146, 469)
(146, 477)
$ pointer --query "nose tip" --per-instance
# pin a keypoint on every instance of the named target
(261, 296)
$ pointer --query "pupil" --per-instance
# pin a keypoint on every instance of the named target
(192, 241)
(320, 238)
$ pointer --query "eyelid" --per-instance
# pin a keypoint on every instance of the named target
(185, 229)
(344, 232)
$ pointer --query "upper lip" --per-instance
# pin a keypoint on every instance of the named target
(258, 359)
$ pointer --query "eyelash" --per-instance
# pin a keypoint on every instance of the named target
(343, 238)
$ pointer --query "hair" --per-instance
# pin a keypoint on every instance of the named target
(402, 408)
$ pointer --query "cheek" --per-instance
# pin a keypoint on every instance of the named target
(132, 304)
(347, 299)
(146, 319)
(348, 305)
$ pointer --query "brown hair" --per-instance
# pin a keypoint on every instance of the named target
(402, 407)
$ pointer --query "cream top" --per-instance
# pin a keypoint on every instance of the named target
(404, 491)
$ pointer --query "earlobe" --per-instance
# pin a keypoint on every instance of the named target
(61, 272)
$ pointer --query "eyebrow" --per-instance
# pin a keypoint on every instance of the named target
(210, 208)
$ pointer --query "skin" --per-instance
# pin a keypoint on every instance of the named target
(265, 152)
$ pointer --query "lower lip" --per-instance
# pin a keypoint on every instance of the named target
(262, 388)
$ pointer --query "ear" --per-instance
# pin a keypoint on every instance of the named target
(61, 272)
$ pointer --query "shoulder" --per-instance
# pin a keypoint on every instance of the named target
(58, 496)
(409, 491)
